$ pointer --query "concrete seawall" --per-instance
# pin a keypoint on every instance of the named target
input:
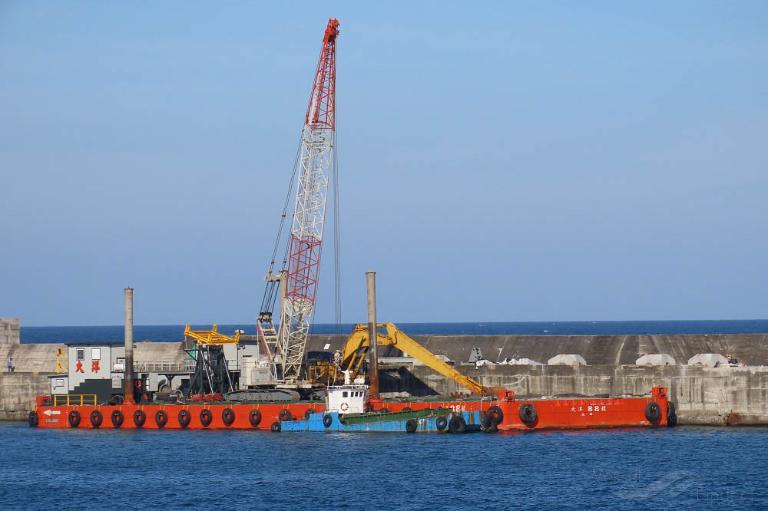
(703, 395)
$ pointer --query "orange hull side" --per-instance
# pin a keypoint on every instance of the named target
(550, 413)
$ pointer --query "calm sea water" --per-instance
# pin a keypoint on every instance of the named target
(683, 468)
(174, 332)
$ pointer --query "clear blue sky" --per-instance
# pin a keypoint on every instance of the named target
(511, 161)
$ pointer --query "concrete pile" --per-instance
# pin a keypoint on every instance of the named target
(567, 360)
(659, 359)
(708, 360)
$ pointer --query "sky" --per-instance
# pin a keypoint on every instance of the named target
(512, 161)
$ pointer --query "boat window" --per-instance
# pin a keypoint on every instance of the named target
(80, 354)
(344, 394)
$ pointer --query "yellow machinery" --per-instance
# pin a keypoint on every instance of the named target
(211, 337)
(356, 349)
(212, 374)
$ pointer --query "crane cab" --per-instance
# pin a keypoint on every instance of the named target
(346, 398)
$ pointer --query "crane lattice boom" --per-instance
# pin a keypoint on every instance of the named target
(306, 239)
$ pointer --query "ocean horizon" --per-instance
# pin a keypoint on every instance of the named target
(166, 333)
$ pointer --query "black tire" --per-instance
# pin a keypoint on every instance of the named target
(228, 416)
(254, 418)
(671, 415)
(139, 418)
(117, 418)
(407, 409)
(285, 415)
(496, 414)
(411, 425)
(96, 419)
(161, 419)
(488, 423)
(653, 412)
(307, 413)
(184, 418)
(74, 418)
(441, 423)
(528, 415)
(33, 419)
(327, 421)
(206, 417)
(457, 424)
(116, 400)
(275, 427)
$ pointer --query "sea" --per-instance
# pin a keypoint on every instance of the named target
(626, 469)
(697, 468)
(43, 334)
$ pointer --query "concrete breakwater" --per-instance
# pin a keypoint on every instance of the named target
(723, 395)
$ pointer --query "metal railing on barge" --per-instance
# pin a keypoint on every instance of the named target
(75, 400)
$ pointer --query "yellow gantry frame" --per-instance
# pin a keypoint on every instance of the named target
(211, 337)
(356, 349)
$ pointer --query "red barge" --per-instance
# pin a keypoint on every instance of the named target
(654, 410)
(343, 405)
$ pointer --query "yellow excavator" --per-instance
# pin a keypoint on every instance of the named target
(355, 352)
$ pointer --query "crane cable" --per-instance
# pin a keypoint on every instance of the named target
(336, 243)
(270, 290)
(336, 224)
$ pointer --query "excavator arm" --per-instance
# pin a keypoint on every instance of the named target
(356, 349)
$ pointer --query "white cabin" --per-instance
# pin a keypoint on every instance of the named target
(346, 398)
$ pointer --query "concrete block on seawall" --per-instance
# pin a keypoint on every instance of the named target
(567, 360)
(9, 330)
(656, 359)
(708, 360)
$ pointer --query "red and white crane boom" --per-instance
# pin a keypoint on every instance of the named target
(299, 280)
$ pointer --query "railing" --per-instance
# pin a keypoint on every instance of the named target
(159, 367)
(74, 400)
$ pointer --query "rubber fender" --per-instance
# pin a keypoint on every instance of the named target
(116, 400)
(117, 418)
(528, 415)
(671, 415)
(496, 415)
(411, 425)
(307, 413)
(285, 415)
(488, 423)
(457, 424)
(206, 417)
(96, 419)
(275, 427)
(653, 412)
(74, 418)
(228, 416)
(139, 418)
(184, 418)
(441, 423)
(254, 418)
(327, 420)
(161, 419)
(407, 409)
(33, 419)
